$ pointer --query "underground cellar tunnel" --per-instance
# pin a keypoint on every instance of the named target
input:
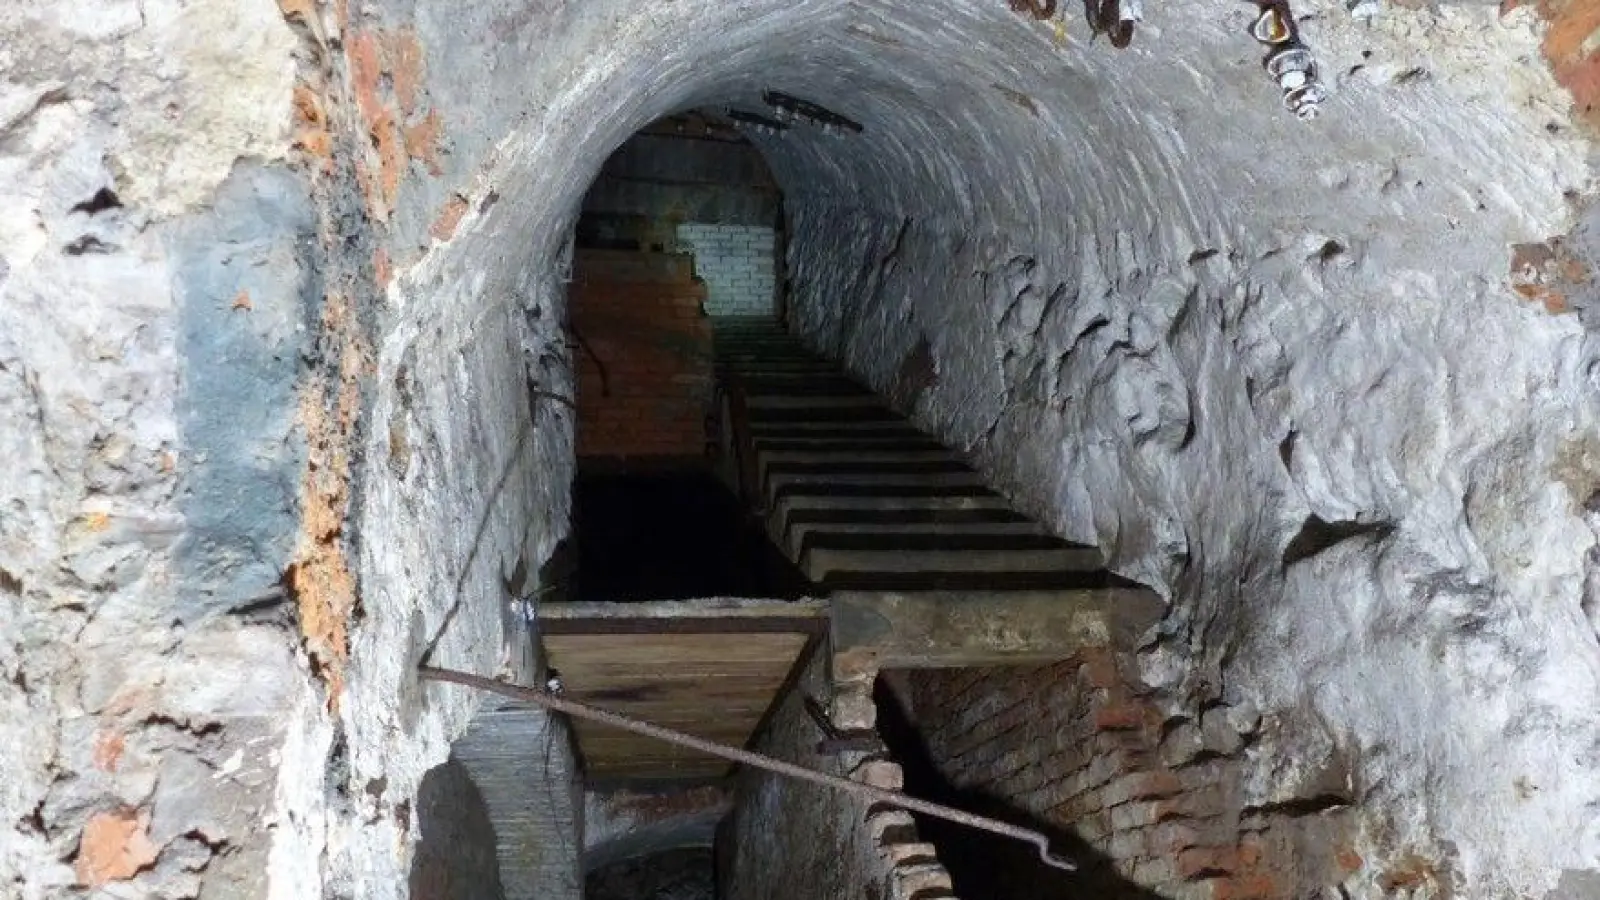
(1294, 416)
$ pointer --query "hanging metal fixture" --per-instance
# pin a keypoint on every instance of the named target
(791, 109)
(563, 704)
(756, 122)
(1290, 62)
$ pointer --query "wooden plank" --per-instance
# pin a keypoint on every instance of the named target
(601, 741)
(590, 667)
(716, 615)
(599, 681)
(622, 683)
(790, 681)
(640, 649)
(739, 725)
(716, 685)
(806, 624)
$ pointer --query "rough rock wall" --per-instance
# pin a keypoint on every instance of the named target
(1302, 401)
(206, 646)
(157, 272)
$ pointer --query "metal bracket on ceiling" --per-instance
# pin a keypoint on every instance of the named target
(789, 108)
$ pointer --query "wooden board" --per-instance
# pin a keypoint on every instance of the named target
(716, 684)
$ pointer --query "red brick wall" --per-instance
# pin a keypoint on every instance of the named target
(640, 314)
(1083, 746)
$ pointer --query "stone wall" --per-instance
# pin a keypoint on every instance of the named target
(644, 370)
(1156, 803)
(736, 262)
(157, 293)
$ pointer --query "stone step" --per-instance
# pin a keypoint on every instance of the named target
(877, 486)
(892, 557)
(816, 370)
(903, 516)
(850, 466)
(758, 349)
(756, 363)
(801, 536)
(945, 542)
(765, 401)
(823, 414)
(904, 503)
(812, 374)
(788, 385)
(875, 428)
(967, 583)
(873, 455)
(860, 443)
(781, 483)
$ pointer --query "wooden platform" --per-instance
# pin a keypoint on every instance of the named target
(709, 667)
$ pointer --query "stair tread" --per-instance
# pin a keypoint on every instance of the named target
(823, 414)
(904, 516)
(817, 562)
(863, 500)
(879, 489)
(968, 582)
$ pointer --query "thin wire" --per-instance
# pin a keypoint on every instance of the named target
(756, 760)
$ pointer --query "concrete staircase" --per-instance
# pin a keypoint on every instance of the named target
(859, 499)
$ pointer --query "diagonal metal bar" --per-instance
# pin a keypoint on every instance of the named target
(570, 707)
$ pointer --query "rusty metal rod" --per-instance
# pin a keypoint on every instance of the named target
(894, 798)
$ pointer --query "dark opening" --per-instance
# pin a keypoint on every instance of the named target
(672, 536)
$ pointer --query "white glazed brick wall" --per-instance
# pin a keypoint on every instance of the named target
(737, 264)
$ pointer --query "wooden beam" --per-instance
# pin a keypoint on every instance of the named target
(715, 615)
(940, 629)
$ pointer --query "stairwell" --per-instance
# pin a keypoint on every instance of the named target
(912, 561)
(861, 500)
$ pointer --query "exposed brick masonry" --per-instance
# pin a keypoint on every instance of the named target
(640, 313)
(1080, 744)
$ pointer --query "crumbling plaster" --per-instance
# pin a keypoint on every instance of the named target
(1164, 314)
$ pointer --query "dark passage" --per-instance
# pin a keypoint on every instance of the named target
(671, 536)
(687, 873)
